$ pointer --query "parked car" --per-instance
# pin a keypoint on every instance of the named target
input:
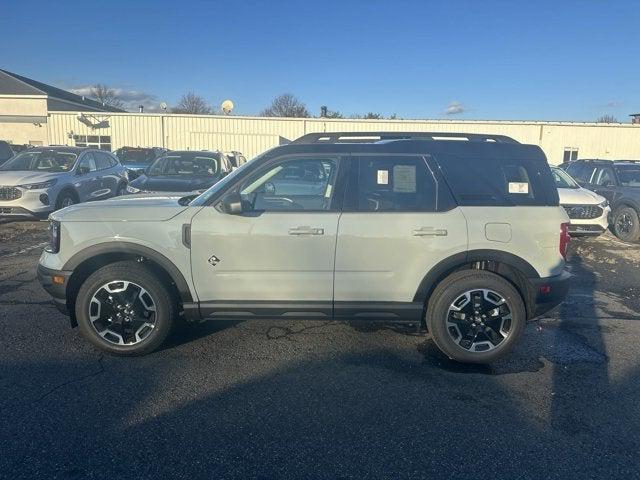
(182, 171)
(619, 182)
(588, 212)
(137, 159)
(6, 152)
(468, 235)
(41, 180)
(236, 158)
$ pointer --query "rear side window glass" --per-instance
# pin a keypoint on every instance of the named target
(102, 160)
(388, 184)
(499, 182)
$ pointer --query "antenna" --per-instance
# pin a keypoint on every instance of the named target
(227, 107)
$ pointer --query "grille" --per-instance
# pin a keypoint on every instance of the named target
(583, 212)
(10, 193)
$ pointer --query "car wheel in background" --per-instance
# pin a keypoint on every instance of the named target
(125, 309)
(626, 225)
(475, 316)
(65, 199)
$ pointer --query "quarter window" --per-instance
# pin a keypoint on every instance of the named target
(392, 184)
(301, 184)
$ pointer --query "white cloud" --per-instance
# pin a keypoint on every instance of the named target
(455, 108)
(131, 98)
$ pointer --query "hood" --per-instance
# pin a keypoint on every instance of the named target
(173, 183)
(579, 196)
(10, 178)
(129, 208)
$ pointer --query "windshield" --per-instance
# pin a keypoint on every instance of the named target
(192, 163)
(135, 155)
(207, 194)
(563, 179)
(629, 175)
(42, 161)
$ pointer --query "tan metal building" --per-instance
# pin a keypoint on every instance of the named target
(39, 114)
(253, 135)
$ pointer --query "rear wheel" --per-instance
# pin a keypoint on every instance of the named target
(475, 316)
(626, 225)
(124, 309)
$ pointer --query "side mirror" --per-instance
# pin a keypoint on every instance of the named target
(82, 170)
(232, 204)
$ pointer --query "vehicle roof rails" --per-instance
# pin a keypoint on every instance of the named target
(372, 137)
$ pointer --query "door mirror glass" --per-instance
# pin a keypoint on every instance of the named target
(232, 204)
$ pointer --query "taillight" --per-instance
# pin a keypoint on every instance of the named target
(564, 239)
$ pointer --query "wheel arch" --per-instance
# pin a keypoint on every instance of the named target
(509, 266)
(90, 259)
(68, 189)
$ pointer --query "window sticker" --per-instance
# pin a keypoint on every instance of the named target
(519, 187)
(404, 178)
(383, 177)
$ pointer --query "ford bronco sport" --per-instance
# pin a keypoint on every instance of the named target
(461, 231)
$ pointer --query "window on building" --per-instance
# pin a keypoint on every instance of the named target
(570, 154)
(102, 142)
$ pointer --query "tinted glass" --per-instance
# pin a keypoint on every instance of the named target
(580, 171)
(88, 162)
(629, 175)
(604, 177)
(563, 179)
(5, 152)
(191, 163)
(392, 184)
(135, 155)
(102, 161)
(304, 184)
(488, 181)
(41, 161)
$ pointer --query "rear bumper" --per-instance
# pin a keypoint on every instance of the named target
(548, 292)
(58, 288)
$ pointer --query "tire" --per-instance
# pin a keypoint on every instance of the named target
(66, 198)
(444, 327)
(99, 287)
(625, 224)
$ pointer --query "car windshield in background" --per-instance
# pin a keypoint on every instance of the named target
(135, 155)
(563, 179)
(184, 164)
(629, 175)
(42, 161)
(5, 152)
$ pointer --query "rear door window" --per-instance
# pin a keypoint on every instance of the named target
(488, 181)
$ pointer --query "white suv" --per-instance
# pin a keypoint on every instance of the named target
(463, 231)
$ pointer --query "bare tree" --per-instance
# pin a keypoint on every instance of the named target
(607, 119)
(106, 95)
(334, 114)
(192, 103)
(373, 116)
(286, 105)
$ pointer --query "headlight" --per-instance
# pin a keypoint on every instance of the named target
(604, 204)
(54, 237)
(131, 189)
(39, 186)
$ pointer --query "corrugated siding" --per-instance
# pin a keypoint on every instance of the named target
(253, 135)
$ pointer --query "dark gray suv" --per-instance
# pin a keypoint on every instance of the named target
(41, 180)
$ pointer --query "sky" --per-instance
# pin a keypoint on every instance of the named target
(503, 60)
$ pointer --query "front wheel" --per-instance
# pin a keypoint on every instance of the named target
(475, 316)
(625, 224)
(125, 309)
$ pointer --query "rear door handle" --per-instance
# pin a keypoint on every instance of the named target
(306, 231)
(429, 232)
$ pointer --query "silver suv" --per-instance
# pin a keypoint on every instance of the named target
(461, 231)
(41, 180)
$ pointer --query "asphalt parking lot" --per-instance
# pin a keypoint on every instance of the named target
(323, 400)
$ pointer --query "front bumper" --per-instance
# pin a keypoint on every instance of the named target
(55, 283)
(589, 227)
(548, 292)
(30, 204)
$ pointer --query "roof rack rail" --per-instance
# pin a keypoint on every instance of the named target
(372, 137)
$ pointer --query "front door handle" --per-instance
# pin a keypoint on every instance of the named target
(306, 231)
(429, 232)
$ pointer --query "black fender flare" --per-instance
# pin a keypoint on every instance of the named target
(449, 264)
(130, 248)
